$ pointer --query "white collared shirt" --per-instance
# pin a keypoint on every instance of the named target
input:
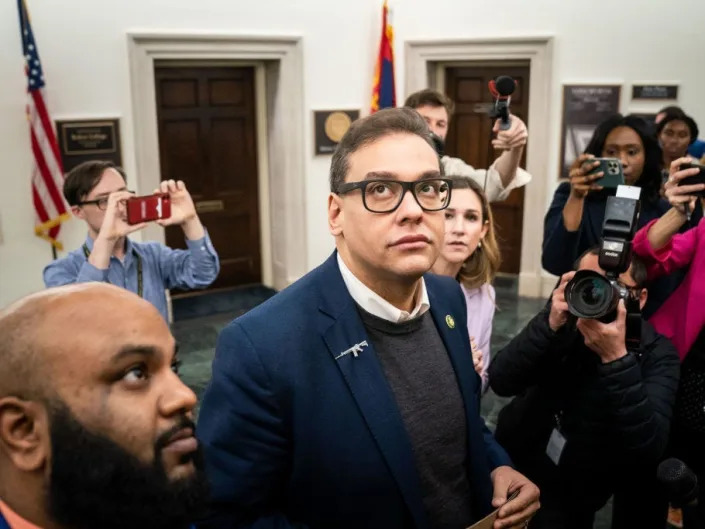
(375, 304)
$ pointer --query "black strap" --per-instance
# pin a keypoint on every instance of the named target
(140, 281)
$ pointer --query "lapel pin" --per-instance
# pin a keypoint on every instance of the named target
(355, 350)
(450, 321)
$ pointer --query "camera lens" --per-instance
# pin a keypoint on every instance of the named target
(593, 293)
(590, 295)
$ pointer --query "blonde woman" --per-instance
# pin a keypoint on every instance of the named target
(470, 254)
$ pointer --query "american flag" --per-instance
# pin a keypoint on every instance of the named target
(47, 172)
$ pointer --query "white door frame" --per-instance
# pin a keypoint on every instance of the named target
(421, 60)
(281, 157)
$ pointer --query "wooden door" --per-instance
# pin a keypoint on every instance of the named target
(207, 138)
(469, 137)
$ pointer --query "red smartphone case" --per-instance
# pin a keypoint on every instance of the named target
(148, 208)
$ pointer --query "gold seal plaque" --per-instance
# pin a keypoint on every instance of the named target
(330, 126)
(337, 124)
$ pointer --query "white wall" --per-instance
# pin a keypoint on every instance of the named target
(83, 48)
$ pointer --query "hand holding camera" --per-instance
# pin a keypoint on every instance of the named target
(583, 175)
(114, 227)
(686, 182)
(183, 210)
(560, 312)
(608, 340)
(115, 222)
(182, 206)
(170, 205)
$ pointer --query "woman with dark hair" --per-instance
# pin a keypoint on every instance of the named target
(471, 255)
(574, 220)
(696, 148)
(676, 133)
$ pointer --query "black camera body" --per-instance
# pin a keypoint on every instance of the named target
(591, 295)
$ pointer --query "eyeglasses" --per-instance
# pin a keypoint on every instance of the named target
(634, 290)
(101, 202)
(384, 196)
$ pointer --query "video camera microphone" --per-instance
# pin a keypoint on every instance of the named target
(681, 487)
(502, 89)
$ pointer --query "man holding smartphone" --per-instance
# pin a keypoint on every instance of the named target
(97, 193)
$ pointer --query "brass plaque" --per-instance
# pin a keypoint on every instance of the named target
(88, 139)
(206, 206)
(329, 128)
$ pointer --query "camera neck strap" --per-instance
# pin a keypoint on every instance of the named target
(138, 259)
(633, 324)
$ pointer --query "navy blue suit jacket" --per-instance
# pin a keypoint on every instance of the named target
(295, 437)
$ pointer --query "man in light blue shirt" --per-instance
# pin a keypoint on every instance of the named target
(96, 192)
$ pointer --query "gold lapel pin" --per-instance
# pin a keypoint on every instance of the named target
(450, 321)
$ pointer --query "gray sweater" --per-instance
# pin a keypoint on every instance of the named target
(422, 379)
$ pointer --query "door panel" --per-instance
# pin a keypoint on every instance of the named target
(207, 138)
(469, 137)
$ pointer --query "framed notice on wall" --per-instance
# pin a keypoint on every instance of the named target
(330, 126)
(655, 91)
(584, 107)
(83, 140)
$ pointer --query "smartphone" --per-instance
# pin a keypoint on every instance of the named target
(612, 169)
(695, 179)
(148, 208)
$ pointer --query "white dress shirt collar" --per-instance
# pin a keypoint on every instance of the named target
(375, 304)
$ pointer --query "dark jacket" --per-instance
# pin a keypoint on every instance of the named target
(297, 434)
(615, 416)
(561, 248)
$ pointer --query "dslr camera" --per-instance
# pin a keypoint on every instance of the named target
(591, 295)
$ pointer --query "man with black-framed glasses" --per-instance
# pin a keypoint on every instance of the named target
(349, 399)
(97, 191)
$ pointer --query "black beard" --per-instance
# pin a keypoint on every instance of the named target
(95, 483)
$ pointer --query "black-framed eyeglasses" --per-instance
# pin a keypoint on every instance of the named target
(634, 290)
(384, 196)
(101, 202)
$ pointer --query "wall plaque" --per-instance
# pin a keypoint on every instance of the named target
(584, 108)
(330, 126)
(83, 140)
(654, 91)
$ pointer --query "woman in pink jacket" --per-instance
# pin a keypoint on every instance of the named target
(682, 316)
